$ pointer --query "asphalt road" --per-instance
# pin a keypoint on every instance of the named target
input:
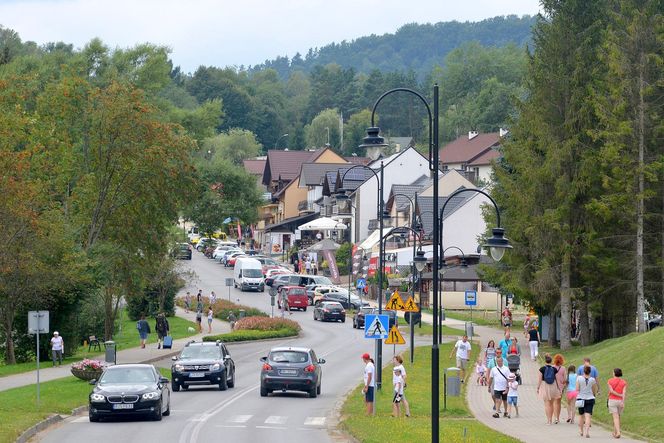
(205, 414)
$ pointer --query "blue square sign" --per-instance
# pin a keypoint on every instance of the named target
(471, 298)
(376, 326)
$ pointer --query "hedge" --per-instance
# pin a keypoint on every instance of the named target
(251, 334)
(266, 324)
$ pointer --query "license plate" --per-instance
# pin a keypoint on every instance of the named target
(196, 375)
(123, 406)
(288, 372)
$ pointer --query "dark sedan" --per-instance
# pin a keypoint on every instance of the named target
(133, 389)
(330, 310)
(358, 318)
(207, 363)
(181, 251)
(291, 369)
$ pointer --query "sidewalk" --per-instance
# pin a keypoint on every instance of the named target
(531, 425)
(133, 355)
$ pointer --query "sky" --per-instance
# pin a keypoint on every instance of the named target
(234, 32)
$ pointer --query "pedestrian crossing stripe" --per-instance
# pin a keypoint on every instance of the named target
(395, 303)
(395, 337)
(410, 305)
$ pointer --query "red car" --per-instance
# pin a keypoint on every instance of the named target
(296, 296)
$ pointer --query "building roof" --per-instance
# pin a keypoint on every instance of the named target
(313, 174)
(425, 208)
(401, 201)
(254, 167)
(402, 142)
(463, 150)
(486, 158)
(286, 165)
(352, 180)
(358, 160)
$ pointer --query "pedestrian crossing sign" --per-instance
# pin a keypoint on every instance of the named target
(395, 303)
(376, 326)
(410, 305)
(395, 337)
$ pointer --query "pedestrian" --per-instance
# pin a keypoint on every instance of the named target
(462, 348)
(210, 316)
(296, 266)
(587, 389)
(506, 316)
(231, 320)
(526, 325)
(490, 364)
(199, 296)
(594, 373)
(162, 328)
(571, 393)
(498, 378)
(397, 382)
(515, 347)
(307, 265)
(187, 302)
(561, 381)
(490, 352)
(199, 319)
(505, 344)
(398, 364)
(314, 268)
(213, 299)
(369, 382)
(143, 330)
(616, 403)
(547, 388)
(512, 395)
(480, 369)
(57, 348)
(533, 342)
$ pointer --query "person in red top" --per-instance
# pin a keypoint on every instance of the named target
(617, 393)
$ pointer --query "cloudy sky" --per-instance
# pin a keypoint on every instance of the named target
(234, 32)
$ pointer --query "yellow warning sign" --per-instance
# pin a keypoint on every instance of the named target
(395, 303)
(410, 305)
(395, 337)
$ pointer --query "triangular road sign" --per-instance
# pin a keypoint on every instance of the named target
(410, 305)
(395, 303)
(395, 337)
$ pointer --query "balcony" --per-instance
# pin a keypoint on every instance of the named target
(305, 206)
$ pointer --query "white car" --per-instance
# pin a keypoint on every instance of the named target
(221, 258)
(220, 250)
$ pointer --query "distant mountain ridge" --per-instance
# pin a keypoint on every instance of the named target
(416, 47)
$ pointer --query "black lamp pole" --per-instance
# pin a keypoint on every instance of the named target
(443, 266)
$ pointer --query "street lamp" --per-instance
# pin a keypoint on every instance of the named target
(373, 132)
(279, 138)
(442, 268)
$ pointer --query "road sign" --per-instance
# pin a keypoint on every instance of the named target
(376, 326)
(38, 322)
(395, 337)
(361, 283)
(471, 298)
(229, 282)
(395, 303)
(410, 305)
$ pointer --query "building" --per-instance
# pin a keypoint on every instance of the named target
(472, 155)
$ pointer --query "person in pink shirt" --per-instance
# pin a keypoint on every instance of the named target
(617, 394)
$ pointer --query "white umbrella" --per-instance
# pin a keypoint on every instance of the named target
(321, 224)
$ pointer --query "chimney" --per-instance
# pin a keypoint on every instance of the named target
(503, 132)
(472, 134)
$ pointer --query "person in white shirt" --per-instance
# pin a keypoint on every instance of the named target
(369, 382)
(498, 378)
(398, 364)
(57, 348)
(512, 395)
(462, 348)
(397, 381)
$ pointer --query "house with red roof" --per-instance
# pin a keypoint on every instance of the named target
(473, 155)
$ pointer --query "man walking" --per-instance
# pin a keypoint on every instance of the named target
(498, 377)
(505, 344)
(462, 348)
(57, 348)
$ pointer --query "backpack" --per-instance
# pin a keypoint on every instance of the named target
(138, 325)
(550, 374)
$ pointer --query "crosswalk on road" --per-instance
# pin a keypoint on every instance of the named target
(272, 422)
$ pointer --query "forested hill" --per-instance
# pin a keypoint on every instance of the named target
(413, 47)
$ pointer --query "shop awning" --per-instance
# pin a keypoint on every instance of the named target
(290, 224)
(373, 239)
(322, 224)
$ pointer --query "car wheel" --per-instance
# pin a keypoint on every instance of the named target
(304, 309)
(175, 387)
(231, 382)
(223, 384)
(94, 418)
(263, 391)
(157, 414)
(318, 389)
(314, 392)
(167, 412)
(343, 320)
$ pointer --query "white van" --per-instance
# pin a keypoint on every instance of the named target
(248, 274)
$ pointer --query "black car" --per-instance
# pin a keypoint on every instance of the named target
(358, 318)
(181, 251)
(291, 369)
(207, 363)
(132, 389)
(342, 297)
(298, 280)
(330, 310)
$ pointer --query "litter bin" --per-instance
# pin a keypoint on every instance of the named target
(242, 313)
(111, 352)
(453, 382)
(469, 329)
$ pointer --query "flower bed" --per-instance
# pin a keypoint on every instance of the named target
(266, 324)
(258, 328)
(87, 369)
(223, 308)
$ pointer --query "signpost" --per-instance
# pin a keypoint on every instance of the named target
(471, 300)
(38, 324)
(229, 283)
(376, 327)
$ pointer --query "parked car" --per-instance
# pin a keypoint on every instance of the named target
(296, 297)
(273, 273)
(220, 249)
(342, 298)
(330, 310)
(181, 251)
(324, 289)
(224, 256)
(205, 243)
(232, 256)
(291, 369)
(393, 318)
(655, 322)
(358, 317)
(298, 280)
(248, 274)
(267, 263)
(207, 363)
(129, 389)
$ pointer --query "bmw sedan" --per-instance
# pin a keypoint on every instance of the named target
(330, 310)
(291, 369)
(132, 389)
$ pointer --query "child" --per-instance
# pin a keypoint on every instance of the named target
(397, 381)
(481, 370)
(512, 395)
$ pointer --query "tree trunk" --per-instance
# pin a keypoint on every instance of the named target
(584, 323)
(8, 323)
(565, 304)
(640, 295)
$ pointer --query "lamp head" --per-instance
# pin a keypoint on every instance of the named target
(497, 244)
(373, 140)
(341, 195)
(420, 261)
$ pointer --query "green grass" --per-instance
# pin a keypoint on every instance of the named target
(125, 338)
(427, 329)
(454, 422)
(251, 334)
(480, 318)
(640, 358)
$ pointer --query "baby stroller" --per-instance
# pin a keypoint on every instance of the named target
(513, 363)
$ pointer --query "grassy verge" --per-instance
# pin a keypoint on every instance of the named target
(638, 357)
(125, 338)
(427, 329)
(248, 334)
(480, 318)
(456, 423)
(19, 410)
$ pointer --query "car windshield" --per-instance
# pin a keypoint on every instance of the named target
(333, 305)
(184, 247)
(288, 357)
(366, 310)
(297, 291)
(199, 352)
(122, 375)
(322, 280)
(252, 273)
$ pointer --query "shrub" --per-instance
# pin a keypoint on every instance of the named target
(266, 324)
(250, 334)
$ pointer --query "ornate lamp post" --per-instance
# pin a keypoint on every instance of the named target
(441, 270)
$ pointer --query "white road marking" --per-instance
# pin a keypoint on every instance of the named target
(272, 427)
(314, 421)
(275, 420)
(230, 426)
(81, 420)
(240, 418)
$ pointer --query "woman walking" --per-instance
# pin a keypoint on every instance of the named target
(587, 389)
(210, 316)
(617, 393)
(561, 381)
(398, 364)
(571, 392)
(162, 328)
(546, 387)
(533, 342)
(490, 352)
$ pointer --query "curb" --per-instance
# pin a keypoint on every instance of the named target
(42, 425)
(335, 431)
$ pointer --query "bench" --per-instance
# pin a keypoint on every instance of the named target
(93, 343)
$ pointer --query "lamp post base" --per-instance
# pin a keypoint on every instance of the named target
(435, 392)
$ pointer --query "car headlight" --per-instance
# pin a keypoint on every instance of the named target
(97, 398)
(216, 367)
(154, 395)
(179, 368)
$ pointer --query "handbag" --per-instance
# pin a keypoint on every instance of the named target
(580, 403)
